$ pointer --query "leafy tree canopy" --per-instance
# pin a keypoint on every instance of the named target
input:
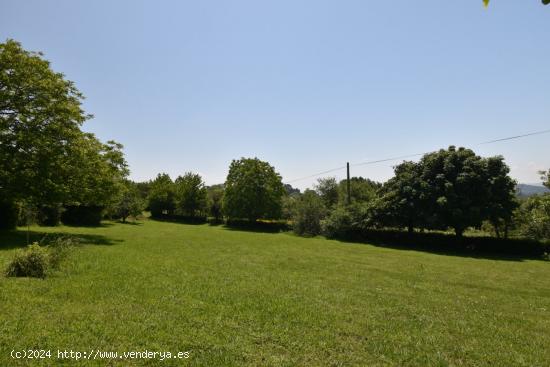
(161, 199)
(40, 119)
(253, 190)
(450, 188)
(45, 158)
(191, 195)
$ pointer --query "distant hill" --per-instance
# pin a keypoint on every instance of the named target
(526, 190)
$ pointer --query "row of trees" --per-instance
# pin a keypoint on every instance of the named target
(449, 189)
(252, 191)
(48, 165)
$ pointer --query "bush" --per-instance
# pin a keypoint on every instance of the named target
(8, 215)
(30, 262)
(59, 249)
(35, 261)
(344, 220)
(49, 215)
(534, 218)
(82, 215)
(338, 224)
(308, 213)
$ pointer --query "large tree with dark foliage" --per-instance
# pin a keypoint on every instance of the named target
(402, 199)
(253, 190)
(450, 188)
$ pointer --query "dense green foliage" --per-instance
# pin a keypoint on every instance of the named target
(308, 213)
(215, 202)
(191, 195)
(328, 189)
(450, 188)
(533, 217)
(9, 213)
(261, 299)
(161, 196)
(30, 262)
(46, 161)
(253, 190)
(130, 203)
(40, 119)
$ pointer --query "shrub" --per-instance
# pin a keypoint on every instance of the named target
(30, 262)
(49, 215)
(309, 212)
(80, 215)
(344, 221)
(59, 249)
(338, 224)
(8, 214)
(534, 218)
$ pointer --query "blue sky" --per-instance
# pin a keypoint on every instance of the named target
(305, 85)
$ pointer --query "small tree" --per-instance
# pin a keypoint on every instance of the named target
(161, 196)
(362, 190)
(130, 204)
(308, 213)
(253, 190)
(191, 195)
(215, 201)
(533, 217)
(328, 189)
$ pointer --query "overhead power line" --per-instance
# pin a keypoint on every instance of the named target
(412, 156)
(515, 137)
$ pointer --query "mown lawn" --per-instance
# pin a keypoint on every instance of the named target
(236, 298)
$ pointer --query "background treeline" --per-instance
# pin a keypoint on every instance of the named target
(452, 190)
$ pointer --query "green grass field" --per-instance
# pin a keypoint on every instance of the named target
(235, 298)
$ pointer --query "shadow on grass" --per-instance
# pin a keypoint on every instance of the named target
(444, 244)
(133, 223)
(259, 226)
(18, 238)
(100, 225)
(180, 219)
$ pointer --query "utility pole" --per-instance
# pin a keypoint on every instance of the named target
(349, 186)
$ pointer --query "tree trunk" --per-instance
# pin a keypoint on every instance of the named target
(459, 232)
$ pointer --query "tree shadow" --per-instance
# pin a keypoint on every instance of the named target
(18, 238)
(180, 219)
(258, 226)
(80, 225)
(134, 223)
(449, 245)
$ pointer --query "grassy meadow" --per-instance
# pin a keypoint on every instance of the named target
(238, 298)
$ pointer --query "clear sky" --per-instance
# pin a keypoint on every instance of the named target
(305, 85)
